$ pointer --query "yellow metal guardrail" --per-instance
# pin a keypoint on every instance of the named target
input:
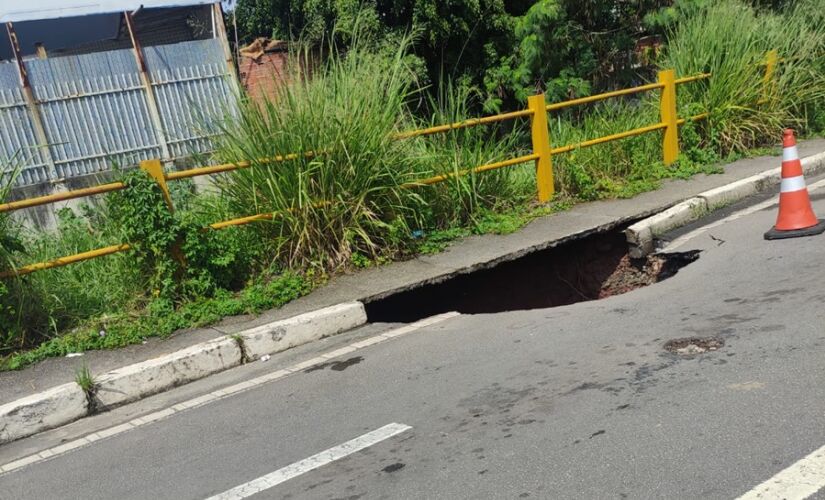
(543, 152)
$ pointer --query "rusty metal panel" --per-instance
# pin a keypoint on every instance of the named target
(193, 93)
(51, 9)
(18, 143)
(94, 108)
(94, 111)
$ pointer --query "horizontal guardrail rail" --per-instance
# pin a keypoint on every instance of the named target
(465, 124)
(542, 155)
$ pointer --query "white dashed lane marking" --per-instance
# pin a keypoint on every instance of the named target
(797, 482)
(308, 464)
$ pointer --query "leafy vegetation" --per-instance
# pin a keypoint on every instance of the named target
(508, 48)
(161, 319)
(356, 198)
(731, 40)
(126, 298)
(347, 197)
(10, 245)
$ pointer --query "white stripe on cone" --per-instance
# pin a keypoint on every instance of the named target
(792, 184)
(790, 154)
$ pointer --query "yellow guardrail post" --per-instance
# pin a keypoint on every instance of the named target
(541, 147)
(155, 170)
(771, 59)
(667, 109)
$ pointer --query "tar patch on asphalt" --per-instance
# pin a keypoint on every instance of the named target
(337, 366)
(397, 466)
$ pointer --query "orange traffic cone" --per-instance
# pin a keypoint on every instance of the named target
(796, 216)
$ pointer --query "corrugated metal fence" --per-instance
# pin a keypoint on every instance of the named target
(95, 113)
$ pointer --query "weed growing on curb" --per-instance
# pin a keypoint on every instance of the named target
(84, 378)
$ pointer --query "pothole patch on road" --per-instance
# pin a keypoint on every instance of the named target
(691, 346)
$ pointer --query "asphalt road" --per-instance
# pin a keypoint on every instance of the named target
(580, 401)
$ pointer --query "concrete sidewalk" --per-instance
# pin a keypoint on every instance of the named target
(467, 255)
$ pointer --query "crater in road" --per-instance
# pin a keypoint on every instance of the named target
(589, 268)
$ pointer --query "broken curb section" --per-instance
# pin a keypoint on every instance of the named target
(641, 236)
(69, 402)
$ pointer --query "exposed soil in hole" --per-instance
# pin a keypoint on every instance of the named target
(694, 345)
(590, 268)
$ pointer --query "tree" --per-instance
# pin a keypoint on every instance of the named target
(309, 20)
(511, 48)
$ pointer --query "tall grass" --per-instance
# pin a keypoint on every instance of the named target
(605, 170)
(11, 316)
(354, 197)
(730, 39)
(346, 198)
(457, 200)
(9, 231)
(50, 302)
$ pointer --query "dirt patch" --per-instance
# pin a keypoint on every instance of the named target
(631, 274)
(692, 346)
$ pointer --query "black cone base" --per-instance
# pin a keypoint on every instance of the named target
(775, 234)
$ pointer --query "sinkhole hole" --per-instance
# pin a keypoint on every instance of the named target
(589, 268)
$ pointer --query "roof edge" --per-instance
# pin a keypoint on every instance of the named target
(35, 10)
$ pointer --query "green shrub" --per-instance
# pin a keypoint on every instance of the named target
(730, 40)
(347, 198)
(177, 256)
(12, 316)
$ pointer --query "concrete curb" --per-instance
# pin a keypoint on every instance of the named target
(38, 412)
(301, 329)
(66, 403)
(133, 382)
(641, 235)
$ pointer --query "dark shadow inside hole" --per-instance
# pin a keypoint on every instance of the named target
(590, 268)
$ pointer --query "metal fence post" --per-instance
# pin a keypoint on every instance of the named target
(667, 109)
(146, 81)
(541, 147)
(43, 146)
(155, 170)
